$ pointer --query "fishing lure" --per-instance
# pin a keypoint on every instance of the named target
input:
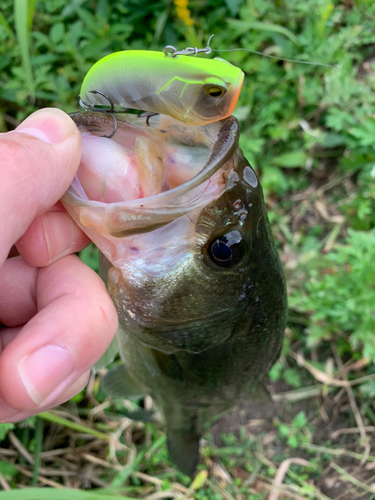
(192, 90)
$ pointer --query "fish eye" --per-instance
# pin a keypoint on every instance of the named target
(215, 90)
(227, 250)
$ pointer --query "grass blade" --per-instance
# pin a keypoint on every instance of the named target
(31, 10)
(6, 26)
(123, 475)
(61, 494)
(160, 25)
(21, 18)
(72, 425)
(245, 26)
(38, 449)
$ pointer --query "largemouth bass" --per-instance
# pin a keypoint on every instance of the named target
(189, 262)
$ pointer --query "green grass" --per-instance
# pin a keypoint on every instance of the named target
(309, 131)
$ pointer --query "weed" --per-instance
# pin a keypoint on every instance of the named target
(297, 432)
(337, 292)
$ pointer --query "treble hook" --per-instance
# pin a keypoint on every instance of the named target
(111, 111)
(148, 115)
(171, 51)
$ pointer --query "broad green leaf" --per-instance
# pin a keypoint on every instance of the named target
(330, 140)
(300, 420)
(88, 18)
(234, 6)
(7, 469)
(284, 430)
(4, 429)
(275, 372)
(244, 26)
(292, 441)
(291, 160)
(292, 377)
(103, 11)
(57, 33)
(199, 480)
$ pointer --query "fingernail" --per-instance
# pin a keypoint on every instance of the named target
(49, 125)
(60, 233)
(43, 371)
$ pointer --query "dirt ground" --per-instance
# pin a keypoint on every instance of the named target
(344, 477)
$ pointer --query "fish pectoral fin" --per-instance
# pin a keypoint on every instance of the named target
(183, 448)
(261, 393)
(158, 363)
(119, 384)
(141, 415)
(168, 365)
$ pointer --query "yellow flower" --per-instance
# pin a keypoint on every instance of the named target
(183, 12)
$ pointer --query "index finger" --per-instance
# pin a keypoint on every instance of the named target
(38, 161)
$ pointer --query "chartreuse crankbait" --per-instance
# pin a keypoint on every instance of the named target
(192, 90)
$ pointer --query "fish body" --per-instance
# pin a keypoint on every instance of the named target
(195, 278)
(193, 90)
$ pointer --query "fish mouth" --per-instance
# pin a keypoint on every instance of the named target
(138, 215)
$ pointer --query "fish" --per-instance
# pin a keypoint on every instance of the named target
(192, 90)
(189, 261)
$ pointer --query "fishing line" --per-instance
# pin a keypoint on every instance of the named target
(171, 51)
(277, 57)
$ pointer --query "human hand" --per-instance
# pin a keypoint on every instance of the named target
(56, 318)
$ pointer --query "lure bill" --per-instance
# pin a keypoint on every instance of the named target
(192, 90)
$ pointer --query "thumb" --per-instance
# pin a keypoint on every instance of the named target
(38, 162)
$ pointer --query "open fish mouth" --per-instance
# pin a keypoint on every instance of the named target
(115, 196)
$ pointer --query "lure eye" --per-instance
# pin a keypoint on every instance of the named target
(227, 250)
(215, 90)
